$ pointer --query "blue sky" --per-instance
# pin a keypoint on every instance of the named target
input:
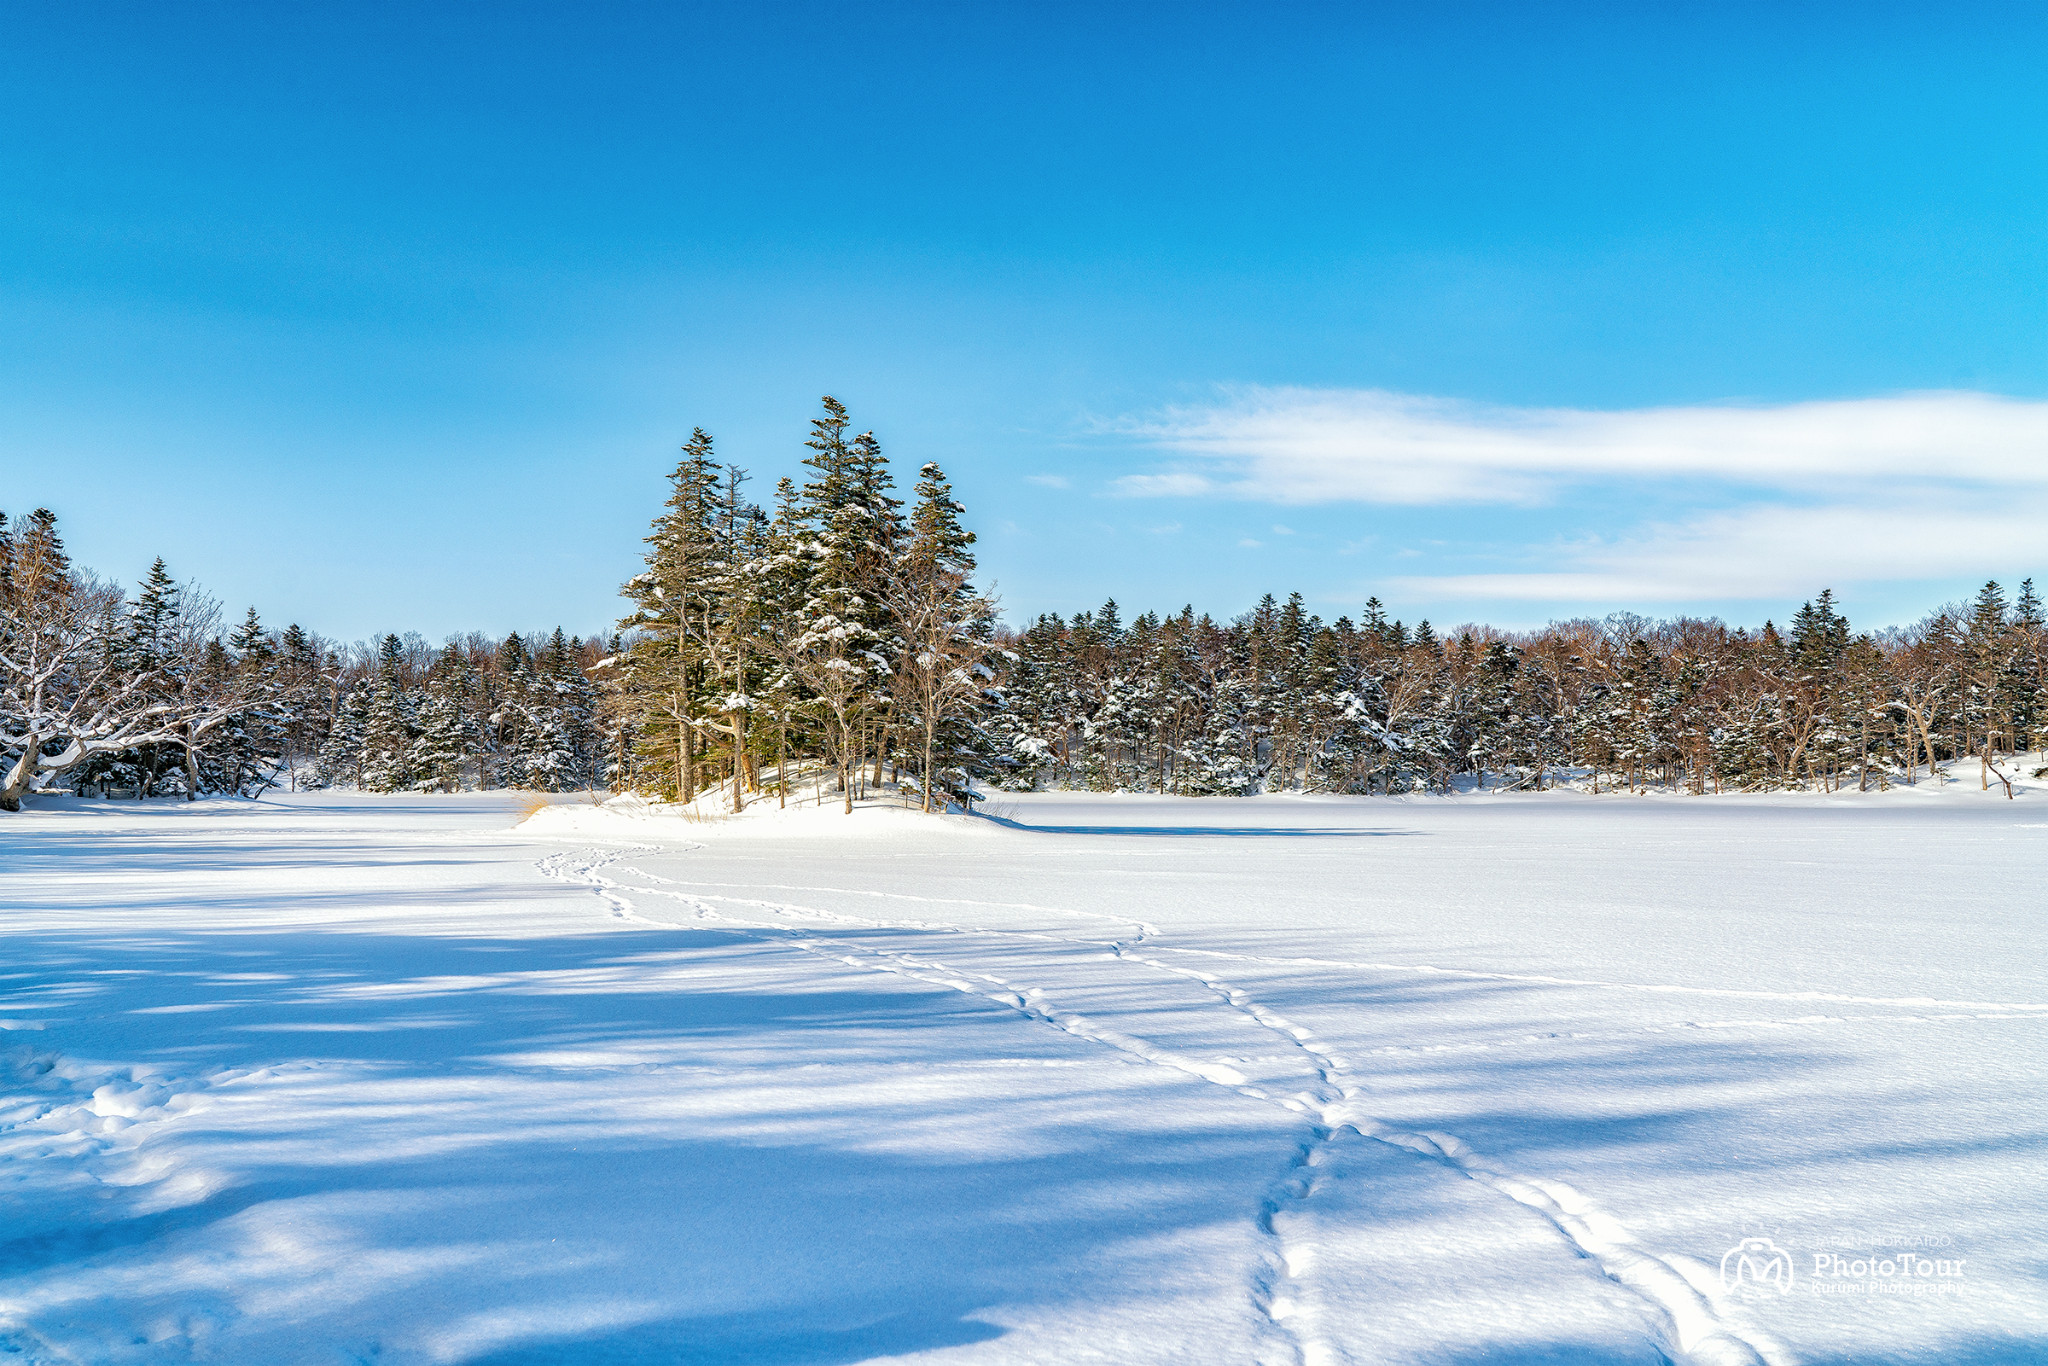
(391, 317)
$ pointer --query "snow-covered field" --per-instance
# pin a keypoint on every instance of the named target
(1119, 1079)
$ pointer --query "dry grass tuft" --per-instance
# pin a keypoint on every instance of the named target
(535, 802)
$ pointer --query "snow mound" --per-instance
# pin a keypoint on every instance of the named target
(636, 818)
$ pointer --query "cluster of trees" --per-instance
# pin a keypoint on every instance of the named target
(836, 635)
(82, 676)
(476, 714)
(833, 626)
(1278, 699)
(154, 695)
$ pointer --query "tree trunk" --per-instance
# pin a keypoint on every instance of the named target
(21, 775)
(849, 764)
(738, 721)
(686, 781)
(929, 727)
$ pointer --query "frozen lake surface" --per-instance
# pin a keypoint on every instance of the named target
(336, 1078)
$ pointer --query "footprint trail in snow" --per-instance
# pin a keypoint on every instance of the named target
(1676, 1293)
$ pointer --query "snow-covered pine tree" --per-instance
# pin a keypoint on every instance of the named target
(508, 726)
(1819, 639)
(448, 724)
(778, 586)
(556, 722)
(1026, 732)
(152, 651)
(944, 626)
(1319, 716)
(875, 536)
(169, 631)
(389, 727)
(39, 573)
(731, 628)
(305, 696)
(246, 751)
(340, 757)
(438, 750)
(2029, 702)
(1988, 645)
(660, 677)
(836, 647)
(616, 718)
(1216, 761)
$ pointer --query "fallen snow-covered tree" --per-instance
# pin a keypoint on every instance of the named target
(73, 681)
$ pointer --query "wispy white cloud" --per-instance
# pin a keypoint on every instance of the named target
(1912, 487)
(1306, 446)
(1050, 481)
(1773, 552)
(1182, 485)
(1249, 544)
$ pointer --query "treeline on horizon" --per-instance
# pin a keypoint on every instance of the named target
(834, 639)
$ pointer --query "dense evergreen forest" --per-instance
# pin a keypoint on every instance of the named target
(834, 640)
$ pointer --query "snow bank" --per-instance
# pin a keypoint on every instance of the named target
(707, 819)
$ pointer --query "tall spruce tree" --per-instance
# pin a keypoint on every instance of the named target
(837, 647)
(944, 628)
(673, 599)
(448, 723)
(388, 725)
